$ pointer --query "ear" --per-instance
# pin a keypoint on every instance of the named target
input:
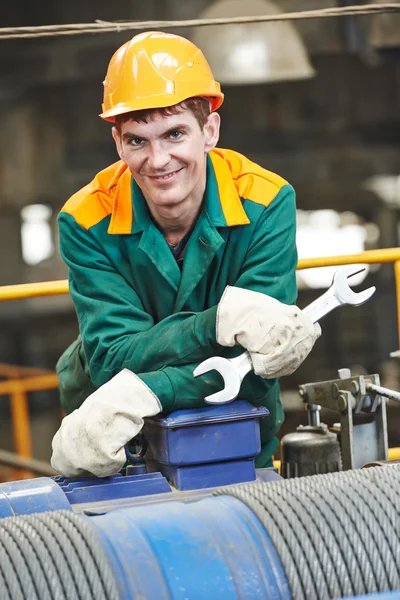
(118, 142)
(211, 131)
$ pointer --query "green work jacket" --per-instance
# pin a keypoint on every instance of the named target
(138, 310)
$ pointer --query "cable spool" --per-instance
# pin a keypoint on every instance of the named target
(337, 535)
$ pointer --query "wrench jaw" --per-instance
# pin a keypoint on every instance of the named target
(343, 291)
(229, 374)
(362, 297)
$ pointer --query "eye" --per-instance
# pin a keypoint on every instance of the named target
(135, 141)
(175, 135)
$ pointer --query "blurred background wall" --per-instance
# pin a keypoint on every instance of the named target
(334, 134)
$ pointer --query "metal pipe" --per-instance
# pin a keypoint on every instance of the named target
(34, 290)
(382, 391)
(314, 415)
(20, 424)
(30, 384)
(385, 255)
(397, 283)
(39, 467)
(54, 288)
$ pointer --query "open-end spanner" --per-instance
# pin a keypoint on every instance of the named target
(233, 370)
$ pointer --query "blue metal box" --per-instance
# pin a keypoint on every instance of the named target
(198, 477)
(225, 432)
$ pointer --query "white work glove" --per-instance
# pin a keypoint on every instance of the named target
(92, 438)
(278, 336)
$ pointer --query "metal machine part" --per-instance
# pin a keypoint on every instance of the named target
(205, 447)
(363, 423)
(190, 451)
(233, 370)
(336, 535)
(311, 450)
(316, 538)
(136, 536)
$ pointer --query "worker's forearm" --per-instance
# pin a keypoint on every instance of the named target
(177, 340)
(176, 387)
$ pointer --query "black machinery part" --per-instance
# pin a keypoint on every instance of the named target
(310, 450)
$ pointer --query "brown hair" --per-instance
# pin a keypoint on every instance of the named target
(199, 106)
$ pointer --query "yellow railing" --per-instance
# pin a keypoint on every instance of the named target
(16, 383)
(386, 255)
(21, 381)
(370, 257)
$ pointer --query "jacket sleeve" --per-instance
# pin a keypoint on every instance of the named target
(116, 331)
(176, 387)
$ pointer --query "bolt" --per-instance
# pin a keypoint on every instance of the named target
(335, 390)
(342, 403)
(354, 387)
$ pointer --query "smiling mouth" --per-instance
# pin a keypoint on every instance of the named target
(165, 177)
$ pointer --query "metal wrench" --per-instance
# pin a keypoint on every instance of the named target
(233, 370)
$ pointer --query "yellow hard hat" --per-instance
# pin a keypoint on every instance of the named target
(154, 70)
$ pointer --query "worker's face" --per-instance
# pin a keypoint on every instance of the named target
(167, 156)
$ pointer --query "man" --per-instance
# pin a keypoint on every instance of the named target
(178, 252)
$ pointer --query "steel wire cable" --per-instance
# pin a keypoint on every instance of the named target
(303, 561)
(339, 531)
(346, 501)
(353, 565)
(66, 555)
(367, 541)
(59, 567)
(39, 561)
(341, 576)
(20, 568)
(81, 533)
(387, 538)
(15, 527)
(287, 543)
(5, 591)
(370, 533)
(385, 557)
(10, 583)
(54, 555)
(119, 26)
(301, 588)
(325, 553)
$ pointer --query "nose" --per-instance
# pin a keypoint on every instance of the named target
(158, 157)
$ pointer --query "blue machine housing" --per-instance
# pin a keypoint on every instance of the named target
(206, 447)
(205, 435)
(190, 452)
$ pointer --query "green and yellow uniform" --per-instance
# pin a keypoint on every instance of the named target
(138, 310)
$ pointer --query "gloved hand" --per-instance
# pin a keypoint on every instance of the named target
(92, 438)
(278, 336)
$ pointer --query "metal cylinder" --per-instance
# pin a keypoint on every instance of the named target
(337, 535)
(31, 496)
(314, 538)
(214, 548)
(310, 450)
